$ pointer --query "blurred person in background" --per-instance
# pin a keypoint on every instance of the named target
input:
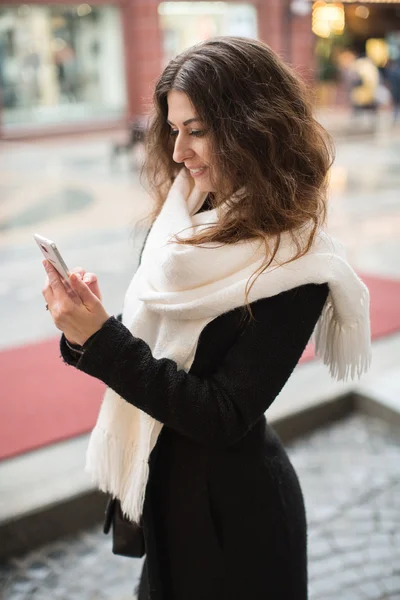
(67, 70)
(392, 73)
(364, 88)
(345, 60)
(235, 275)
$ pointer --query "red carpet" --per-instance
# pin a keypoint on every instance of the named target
(44, 401)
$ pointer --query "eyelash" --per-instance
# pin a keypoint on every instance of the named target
(195, 133)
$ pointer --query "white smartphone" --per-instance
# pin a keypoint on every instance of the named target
(53, 255)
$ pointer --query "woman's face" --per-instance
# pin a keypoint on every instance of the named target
(191, 142)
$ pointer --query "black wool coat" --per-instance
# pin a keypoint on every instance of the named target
(224, 516)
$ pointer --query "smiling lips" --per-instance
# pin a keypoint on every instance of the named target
(197, 172)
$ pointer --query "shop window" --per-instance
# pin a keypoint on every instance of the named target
(186, 23)
(60, 64)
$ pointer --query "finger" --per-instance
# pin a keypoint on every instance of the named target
(52, 273)
(48, 296)
(55, 281)
(80, 271)
(47, 292)
(46, 286)
(86, 295)
(89, 278)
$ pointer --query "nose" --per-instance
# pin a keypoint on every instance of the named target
(182, 149)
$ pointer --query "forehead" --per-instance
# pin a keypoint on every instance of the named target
(180, 107)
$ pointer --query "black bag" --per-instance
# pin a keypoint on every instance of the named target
(128, 538)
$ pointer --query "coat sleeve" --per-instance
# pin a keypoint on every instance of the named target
(220, 408)
(70, 353)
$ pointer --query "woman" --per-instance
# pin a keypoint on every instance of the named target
(235, 275)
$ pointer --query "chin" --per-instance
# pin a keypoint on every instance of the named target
(203, 186)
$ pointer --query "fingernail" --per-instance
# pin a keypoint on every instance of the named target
(73, 277)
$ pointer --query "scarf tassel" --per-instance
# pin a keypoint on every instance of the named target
(119, 469)
(344, 347)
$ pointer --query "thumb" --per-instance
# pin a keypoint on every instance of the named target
(83, 291)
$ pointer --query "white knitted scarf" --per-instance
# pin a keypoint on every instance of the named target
(178, 289)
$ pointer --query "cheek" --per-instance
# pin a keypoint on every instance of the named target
(203, 150)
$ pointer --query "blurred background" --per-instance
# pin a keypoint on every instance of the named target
(75, 88)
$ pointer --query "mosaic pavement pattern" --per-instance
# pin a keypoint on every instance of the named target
(350, 474)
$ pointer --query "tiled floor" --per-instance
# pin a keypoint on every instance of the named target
(350, 474)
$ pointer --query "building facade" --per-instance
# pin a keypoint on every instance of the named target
(67, 66)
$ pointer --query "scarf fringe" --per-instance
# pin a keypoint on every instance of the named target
(118, 470)
(134, 488)
(344, 347)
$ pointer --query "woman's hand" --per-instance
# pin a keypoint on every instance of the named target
(78, 313)
(90, 279)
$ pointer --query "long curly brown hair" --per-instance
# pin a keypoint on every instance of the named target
(263, 136)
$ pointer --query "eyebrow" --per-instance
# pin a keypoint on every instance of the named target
(192, 120)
